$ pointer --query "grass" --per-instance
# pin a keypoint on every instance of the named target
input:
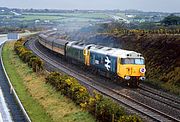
(41, 101)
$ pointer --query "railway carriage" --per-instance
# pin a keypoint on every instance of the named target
(56, 45)
(74, 52)
(49, 43)
(59, 46)
(46, 41)
(43, 39)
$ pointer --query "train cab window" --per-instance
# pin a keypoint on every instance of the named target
(127, 61)
(132, 61)
(139, 61)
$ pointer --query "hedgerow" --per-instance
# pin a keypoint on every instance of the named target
(103, 108)
(27, 56)
(69, 86)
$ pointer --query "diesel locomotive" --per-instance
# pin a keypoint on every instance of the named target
(114, 63)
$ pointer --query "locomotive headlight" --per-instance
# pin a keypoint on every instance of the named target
(142, 70)
(127, 77)
(142, 78)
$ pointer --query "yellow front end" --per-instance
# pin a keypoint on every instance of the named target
(129, 71)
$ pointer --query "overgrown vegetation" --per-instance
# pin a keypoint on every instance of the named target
(102, 107)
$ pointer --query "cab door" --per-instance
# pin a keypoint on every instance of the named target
(120, 68)
(118, 65)
(86, 56)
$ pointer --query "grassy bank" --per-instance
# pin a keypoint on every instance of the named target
(40, 100)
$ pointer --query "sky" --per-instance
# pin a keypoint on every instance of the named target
(144, 5)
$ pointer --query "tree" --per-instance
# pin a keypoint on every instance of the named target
(171, 20)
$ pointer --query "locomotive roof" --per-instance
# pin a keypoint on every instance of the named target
(115, 52)
(106, 50)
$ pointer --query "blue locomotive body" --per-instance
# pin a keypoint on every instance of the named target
(103, 62)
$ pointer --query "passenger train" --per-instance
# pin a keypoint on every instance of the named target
(114, 63)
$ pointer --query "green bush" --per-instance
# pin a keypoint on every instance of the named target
(92, 102)
(107, 110)
(27, 56)
(36, 64)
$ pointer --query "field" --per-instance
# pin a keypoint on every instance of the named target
(38, 17)
(56, 16)
(67, 15)
(41, 101)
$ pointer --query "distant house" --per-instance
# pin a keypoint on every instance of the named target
(12, 36)
(37, 21)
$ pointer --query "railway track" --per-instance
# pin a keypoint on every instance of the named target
(160, 96)
(145, 110)
(15, 110)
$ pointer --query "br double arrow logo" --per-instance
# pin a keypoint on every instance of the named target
(107, 63)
